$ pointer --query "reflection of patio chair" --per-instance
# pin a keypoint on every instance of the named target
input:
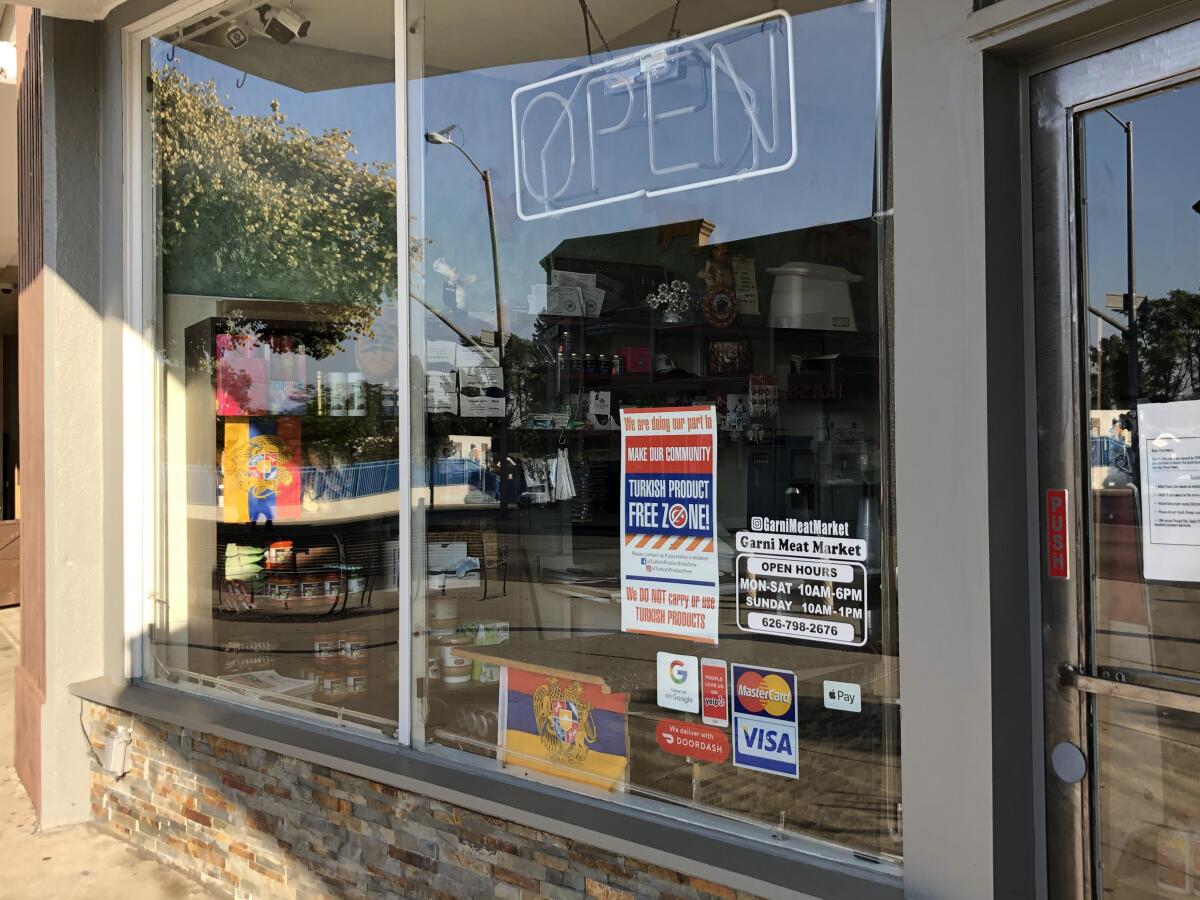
(480, 545)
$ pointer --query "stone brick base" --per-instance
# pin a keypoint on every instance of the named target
(252, 823)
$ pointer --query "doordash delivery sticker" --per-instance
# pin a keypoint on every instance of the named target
(691, 740)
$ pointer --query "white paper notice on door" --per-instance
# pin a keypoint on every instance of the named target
(1169, 441)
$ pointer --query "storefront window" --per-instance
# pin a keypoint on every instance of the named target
(275, 229)
(649, 456)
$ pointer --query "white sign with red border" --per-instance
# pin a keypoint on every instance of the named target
(669, 577)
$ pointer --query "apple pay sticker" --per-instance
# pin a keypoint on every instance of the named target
(843, 695)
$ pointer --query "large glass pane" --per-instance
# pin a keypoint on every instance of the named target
(649, 431)
(1143, 434)
(274, 205)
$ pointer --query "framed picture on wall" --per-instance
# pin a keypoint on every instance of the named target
(728, 357)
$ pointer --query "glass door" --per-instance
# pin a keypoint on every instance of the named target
(1118, 272)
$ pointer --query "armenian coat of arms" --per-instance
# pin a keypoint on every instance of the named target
(564, 721)
(260, 465)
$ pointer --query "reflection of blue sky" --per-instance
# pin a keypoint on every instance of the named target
(832, 179)
(368, 112)
(1166, 132)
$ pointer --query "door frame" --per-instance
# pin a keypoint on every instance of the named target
(1069, 681)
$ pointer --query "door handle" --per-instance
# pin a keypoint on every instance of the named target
(1124, 690)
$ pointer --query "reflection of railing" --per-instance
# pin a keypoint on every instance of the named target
(355, 480)
(1108, 451)
(362, 479)
(458, 471)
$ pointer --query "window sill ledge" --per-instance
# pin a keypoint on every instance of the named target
(619, 829)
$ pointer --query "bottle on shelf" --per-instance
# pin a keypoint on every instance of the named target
(338, 391)
(356, 394)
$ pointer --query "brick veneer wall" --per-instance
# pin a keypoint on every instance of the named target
(252, 823)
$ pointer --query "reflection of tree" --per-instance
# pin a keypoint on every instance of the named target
(1168, 351)
(525, 371)
(254, 207)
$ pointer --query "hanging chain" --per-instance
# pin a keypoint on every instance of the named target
(587, 11)
(674, 32)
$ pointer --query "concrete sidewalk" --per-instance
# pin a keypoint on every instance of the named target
(79, 862)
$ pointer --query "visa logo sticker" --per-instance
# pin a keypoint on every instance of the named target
(765, 746)
(765, 720)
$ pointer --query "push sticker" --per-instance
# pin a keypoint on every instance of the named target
(764, 720)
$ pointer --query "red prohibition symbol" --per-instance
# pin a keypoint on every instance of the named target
(678, 515)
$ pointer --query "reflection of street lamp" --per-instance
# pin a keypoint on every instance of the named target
(1130, 304)
(442, 137)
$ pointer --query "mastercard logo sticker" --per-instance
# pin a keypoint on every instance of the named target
(759, 693)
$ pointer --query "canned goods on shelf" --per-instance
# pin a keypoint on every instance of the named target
(354, 646)
(327, 646)
(312, 584)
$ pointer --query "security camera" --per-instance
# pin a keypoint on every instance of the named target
(7, 287)
(236, 37)
(283, 24)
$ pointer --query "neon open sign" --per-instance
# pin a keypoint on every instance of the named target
(691, 113)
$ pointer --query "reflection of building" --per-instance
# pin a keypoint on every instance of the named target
(358, 556)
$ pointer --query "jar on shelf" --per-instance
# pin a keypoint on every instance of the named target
(312, 585)
(456, 668)
(327, 646)
(282, 589)
(334, 584)
(354, 646)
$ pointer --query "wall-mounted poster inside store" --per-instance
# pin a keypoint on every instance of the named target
(1169, 443)
(441, 393)
(669, 579)
(745, 285)
(261, 468)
